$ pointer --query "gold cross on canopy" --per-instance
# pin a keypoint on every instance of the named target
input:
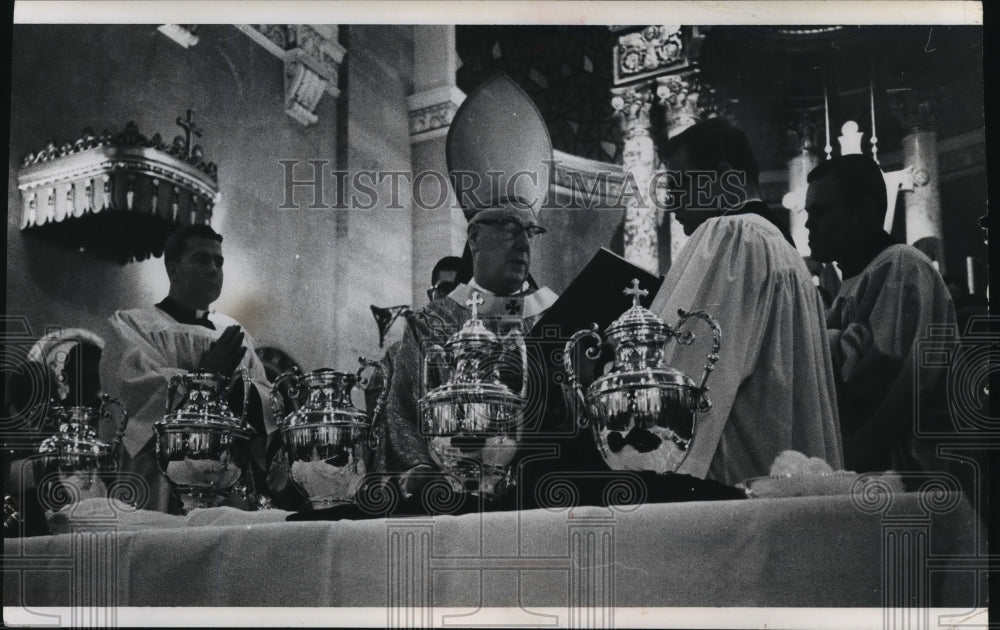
(635, 292)
(190, 127)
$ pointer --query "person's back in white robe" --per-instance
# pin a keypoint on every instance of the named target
(773, 387)
(876, 325)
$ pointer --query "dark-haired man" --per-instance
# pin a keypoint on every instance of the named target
(444, 277)
(890, 295)
(772, 389)
(148, 346)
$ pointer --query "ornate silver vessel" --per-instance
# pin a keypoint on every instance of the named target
(326, 439)
(202, 447)
(642, 411)
(76, 454)
(472, 421)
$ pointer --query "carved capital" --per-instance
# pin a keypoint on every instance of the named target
(801, 130)
(303, 91)
(632, 105)
(914, 109)
(431, 112)
(686, 100)
(312, 59)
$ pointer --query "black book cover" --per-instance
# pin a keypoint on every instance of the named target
(596, 295)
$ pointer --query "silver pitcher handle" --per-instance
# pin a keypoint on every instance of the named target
(277, 400)
(383, 395)
(518, 340)
(572, 390)
(429, 353)
(247, 384)
(704, 404)
(175, 382)
(116, 444)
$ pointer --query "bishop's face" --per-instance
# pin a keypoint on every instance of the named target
(196, 279)
(501, 251)
(826, 223)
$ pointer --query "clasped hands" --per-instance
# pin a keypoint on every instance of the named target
(226, 353)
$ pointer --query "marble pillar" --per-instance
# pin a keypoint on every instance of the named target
(920, 155)
(439, 230)
(804, 158)
(632, 107)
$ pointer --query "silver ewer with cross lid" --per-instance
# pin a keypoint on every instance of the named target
(471, 419)
(641, 411)
(326, 440)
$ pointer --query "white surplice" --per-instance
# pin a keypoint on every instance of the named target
(773, 387)
(876, 325)
(144, 350)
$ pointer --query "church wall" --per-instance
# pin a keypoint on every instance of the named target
(374, 254)
(288, 272)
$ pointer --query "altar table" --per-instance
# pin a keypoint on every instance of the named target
(910, 549)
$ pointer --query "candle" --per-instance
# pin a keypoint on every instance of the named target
(826, 113)
(871, 91)
(970, 273)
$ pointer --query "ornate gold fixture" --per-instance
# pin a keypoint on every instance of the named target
(118, 195)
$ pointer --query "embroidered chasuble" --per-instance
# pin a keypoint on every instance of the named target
(403, 446)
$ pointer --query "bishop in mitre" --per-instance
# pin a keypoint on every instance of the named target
(497, 131)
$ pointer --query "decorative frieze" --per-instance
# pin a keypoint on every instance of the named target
(431, 112)
(652, 51)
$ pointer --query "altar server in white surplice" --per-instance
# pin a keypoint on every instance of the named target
(891, 298)
(773, 387)
(148, 346)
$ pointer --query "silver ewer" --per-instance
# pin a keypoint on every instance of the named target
(326, 440)
(472, 421)
(76, 455)
(202, 446)
(642, 412)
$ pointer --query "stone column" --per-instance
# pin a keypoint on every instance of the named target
(804, 158)
(920, 154)
(632, 105)
(438, 229)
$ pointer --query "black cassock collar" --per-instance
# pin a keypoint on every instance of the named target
(184, 314)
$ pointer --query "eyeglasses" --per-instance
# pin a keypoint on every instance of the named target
(512, 229)
(444, 288)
